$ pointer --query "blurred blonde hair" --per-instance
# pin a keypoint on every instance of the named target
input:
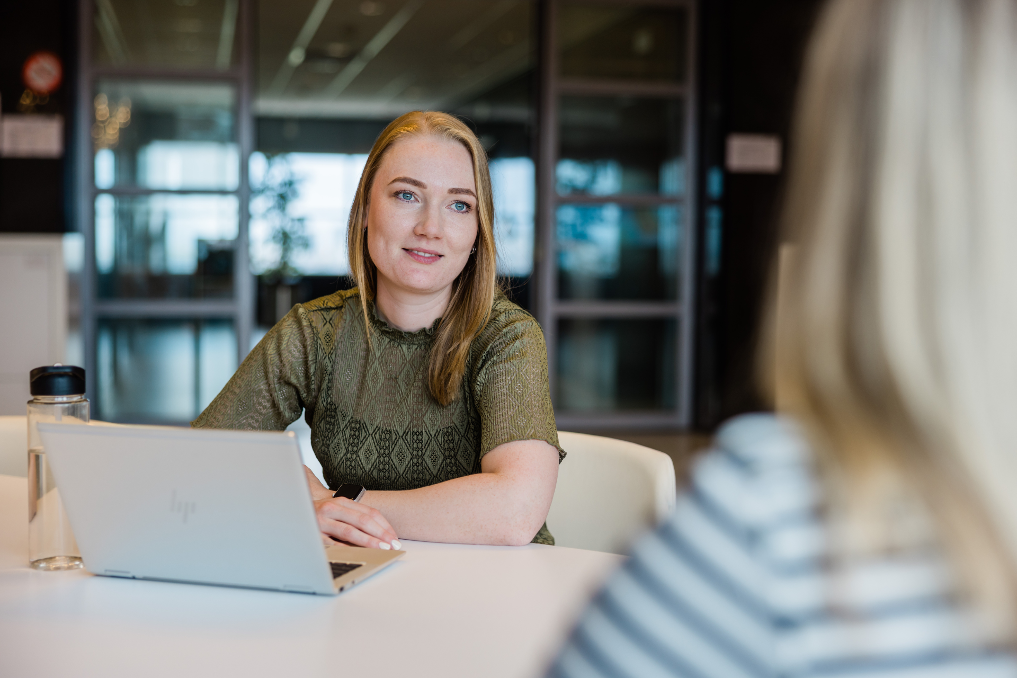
(473, 290)
(897, 342)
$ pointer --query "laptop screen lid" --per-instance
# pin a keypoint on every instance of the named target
(206, 506)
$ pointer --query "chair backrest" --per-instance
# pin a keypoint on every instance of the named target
(14, 446)
(608, 492)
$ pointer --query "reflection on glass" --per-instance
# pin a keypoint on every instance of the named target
(617, 145)
(162, 370)
(612, 365)
(614, 252)
(165, 245)
(434, 54)
(180, 34)
(514, 184)
(622, 42)
(165, 135)
(309, 193)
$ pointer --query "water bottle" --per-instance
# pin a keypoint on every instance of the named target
(58, 395)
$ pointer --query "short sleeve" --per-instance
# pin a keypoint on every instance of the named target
(274, 383)
(510, 385)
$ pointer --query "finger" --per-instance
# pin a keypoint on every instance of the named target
(364, 518)
(375, 522)
(337, 521)
(351, 535)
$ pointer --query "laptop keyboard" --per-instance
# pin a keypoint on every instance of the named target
(339, 569)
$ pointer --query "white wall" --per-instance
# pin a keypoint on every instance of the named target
(33, 312)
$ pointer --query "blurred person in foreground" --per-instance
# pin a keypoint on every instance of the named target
(873, 531)
(425, 387)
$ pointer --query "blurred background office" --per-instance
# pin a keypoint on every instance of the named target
(189, 164)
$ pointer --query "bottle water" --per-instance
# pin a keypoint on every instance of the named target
(58, 395)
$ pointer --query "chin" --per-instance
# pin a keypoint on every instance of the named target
(426, 286)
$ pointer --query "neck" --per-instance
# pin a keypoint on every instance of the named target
(411, 311)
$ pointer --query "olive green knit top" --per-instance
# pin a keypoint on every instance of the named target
(373, 419)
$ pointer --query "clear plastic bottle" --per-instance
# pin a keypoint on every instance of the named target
(58, 395)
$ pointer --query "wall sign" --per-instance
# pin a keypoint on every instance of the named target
(753, 154)
(42, 72)
(32, 136)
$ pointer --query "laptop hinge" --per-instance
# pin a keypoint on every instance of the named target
(297, 589)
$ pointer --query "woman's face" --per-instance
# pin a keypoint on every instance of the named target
(422, 215)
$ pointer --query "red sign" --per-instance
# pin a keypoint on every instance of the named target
(42, 72)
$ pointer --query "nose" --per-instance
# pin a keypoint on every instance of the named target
(429, 225)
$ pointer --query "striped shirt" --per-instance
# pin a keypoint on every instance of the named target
(735, 585)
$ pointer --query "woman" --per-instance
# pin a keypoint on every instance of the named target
(425, 388)
(878, 534)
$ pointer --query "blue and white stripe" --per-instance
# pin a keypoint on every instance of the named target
(738, 583)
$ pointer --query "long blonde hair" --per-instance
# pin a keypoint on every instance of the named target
(897, 342)
(473, 289)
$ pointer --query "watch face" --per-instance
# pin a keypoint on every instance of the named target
(349, 491)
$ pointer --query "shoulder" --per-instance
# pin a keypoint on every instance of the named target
(324, 315)
(758, 475)
(508, 326)
(336, 301)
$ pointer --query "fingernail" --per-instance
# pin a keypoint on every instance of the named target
(384, 547)
(396, 545)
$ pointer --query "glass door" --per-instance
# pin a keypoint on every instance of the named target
(164, 136)
(614, 210)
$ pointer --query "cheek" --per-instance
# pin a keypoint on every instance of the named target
(376, 235)
(466, 238)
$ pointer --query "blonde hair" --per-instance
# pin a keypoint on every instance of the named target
(897, 342)
(474, 288)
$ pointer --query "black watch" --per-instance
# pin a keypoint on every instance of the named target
(354, 492)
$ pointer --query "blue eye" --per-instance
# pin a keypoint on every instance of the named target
(460, 206)
(404, 195)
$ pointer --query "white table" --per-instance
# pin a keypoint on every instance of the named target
(443, 610)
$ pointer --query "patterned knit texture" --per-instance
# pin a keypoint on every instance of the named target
(373, 420)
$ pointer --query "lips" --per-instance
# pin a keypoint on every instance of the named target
(423, 256)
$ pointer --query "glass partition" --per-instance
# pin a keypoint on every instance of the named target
(615, 252)
(165, 135)
(620, 145)
(623, 41)
(617, 287)
(607, 365)
(152, 371)
(165, 245)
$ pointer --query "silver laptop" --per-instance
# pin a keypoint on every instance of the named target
(229, 508)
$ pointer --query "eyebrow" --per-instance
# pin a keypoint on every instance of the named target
(420, 184)
(410, 181)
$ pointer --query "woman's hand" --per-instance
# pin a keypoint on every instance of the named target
(342, 519)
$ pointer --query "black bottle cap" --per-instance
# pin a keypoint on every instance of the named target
(57, 380)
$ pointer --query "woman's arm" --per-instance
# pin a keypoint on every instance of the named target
(504, 504)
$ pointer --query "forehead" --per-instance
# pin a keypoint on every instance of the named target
(428, 158)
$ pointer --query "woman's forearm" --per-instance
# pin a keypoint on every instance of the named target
(506, 504)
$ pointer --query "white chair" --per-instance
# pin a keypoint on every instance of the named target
(14, 446)
(609, 492)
